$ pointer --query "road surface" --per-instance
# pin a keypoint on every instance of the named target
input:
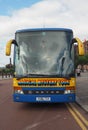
(27, 116)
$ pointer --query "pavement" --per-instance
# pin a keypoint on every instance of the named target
(82, 90)
(5, 77)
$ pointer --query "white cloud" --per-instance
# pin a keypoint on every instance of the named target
(55, 13)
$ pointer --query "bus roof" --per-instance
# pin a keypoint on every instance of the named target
(44, 29)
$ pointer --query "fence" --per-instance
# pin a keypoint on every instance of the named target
(6, 75)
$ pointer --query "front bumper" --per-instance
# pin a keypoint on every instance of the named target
(44, 98)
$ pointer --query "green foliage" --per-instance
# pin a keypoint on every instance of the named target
(6, 70)
(82, 60)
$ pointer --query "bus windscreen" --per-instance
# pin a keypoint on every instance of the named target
(44, 53)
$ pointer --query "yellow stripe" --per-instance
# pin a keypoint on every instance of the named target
(81, 117)
(76, 118)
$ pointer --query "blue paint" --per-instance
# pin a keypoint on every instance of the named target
(54, 98)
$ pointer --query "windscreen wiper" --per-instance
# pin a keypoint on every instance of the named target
(37, 76)
(26, 76)
(41, 76)
(32, 76)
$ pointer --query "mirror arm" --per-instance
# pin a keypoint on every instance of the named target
(80, 45)
(8, 46)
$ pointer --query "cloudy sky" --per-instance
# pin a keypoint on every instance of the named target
(20, 14)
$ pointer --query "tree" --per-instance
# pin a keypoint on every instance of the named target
(82, 60)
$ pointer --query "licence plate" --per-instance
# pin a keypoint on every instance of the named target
(43, 99)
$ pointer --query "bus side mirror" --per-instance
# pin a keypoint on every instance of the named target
(80, 46)
(8, 46)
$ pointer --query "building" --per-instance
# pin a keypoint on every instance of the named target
(86, 46)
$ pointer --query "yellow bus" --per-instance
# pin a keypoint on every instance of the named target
(44, 65)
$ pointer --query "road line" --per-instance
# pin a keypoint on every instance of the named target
(79, 114)
(80, 123)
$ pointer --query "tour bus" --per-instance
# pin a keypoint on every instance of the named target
(44, 62)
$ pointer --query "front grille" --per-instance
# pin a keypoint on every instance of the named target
(43, 92)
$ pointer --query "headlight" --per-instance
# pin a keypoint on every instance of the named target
(67, 91)
(19, 92)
